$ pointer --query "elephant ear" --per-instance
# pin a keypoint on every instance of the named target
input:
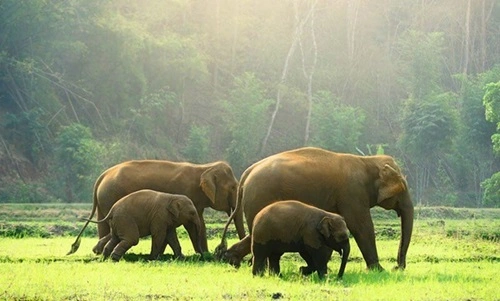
(207, 184)
(391, 183)
(325, 226)
(174, 208)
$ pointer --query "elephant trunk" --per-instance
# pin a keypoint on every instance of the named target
(346, 249)
(406, 213)
(194, 231)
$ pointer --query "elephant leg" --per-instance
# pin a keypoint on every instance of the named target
(99, 247)
(360, 225)
(158, 244)
(122, 247)
(274, 263)
(173, 241)
(203, 233)
(127, 232)
(320, 258)
(259, 259)
(110, 245)
(321, 266)
(235, 254)
(310, 268)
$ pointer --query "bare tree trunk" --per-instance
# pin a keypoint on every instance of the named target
(352, 20)
(296, 37)
(216, 40)
(485, 16)
(467, 39)
(235, 36)
(309, 75)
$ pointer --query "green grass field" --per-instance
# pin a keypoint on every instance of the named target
(454, 255)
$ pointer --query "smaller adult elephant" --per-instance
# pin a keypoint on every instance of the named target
(292, 226)
(147, 212)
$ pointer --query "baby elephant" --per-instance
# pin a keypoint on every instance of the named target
(147, 212)
(292, 226)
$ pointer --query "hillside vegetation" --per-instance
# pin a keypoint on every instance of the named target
(87, 84)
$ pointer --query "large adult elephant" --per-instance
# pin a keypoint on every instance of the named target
(341, 183)
(207, 185)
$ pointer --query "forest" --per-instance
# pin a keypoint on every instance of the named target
(88, 84)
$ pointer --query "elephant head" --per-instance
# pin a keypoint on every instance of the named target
(393, 194)
(334, 231)
(220, 185)
(184, 213)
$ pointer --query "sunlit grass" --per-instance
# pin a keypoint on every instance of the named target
(448, 259)
(51, 275)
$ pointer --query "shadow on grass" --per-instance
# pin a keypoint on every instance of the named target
(128, 257)
(132, 257)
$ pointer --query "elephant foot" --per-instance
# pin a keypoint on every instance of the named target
(97, 250)
(306, 270)
(115, 257)
(375, 267)
(154, 257)
(179, 257)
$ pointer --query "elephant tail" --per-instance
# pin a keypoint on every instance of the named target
(76, 244)
(222, 247)
(95, 222)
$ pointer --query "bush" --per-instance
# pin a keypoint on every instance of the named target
(21, 192)
(491, 188)
(77, 158)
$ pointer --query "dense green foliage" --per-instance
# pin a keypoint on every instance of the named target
(87, 84)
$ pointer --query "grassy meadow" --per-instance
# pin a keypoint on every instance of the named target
(454, 255)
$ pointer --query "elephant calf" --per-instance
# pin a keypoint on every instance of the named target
(292, 226)
(147, 212)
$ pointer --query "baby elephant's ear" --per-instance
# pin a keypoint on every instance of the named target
(174, 207)
(325, 226)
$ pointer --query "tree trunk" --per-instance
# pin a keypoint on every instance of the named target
(467, 39)
(296, 38)
(309, 75)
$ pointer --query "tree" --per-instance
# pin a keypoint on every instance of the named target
(198, 143)
(429, 126)
(420, 62)
(491, 102)
(335, 126)
(473, 160)
(245, 118)
(77, 162)
(491, 188)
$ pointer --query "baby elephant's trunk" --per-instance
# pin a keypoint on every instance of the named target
(346, 249)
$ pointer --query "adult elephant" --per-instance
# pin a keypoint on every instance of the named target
(341, 183)
(207, 185)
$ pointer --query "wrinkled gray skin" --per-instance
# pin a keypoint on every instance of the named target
(147, 212)
(292, 226)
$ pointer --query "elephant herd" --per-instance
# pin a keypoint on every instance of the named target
(305, 200)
